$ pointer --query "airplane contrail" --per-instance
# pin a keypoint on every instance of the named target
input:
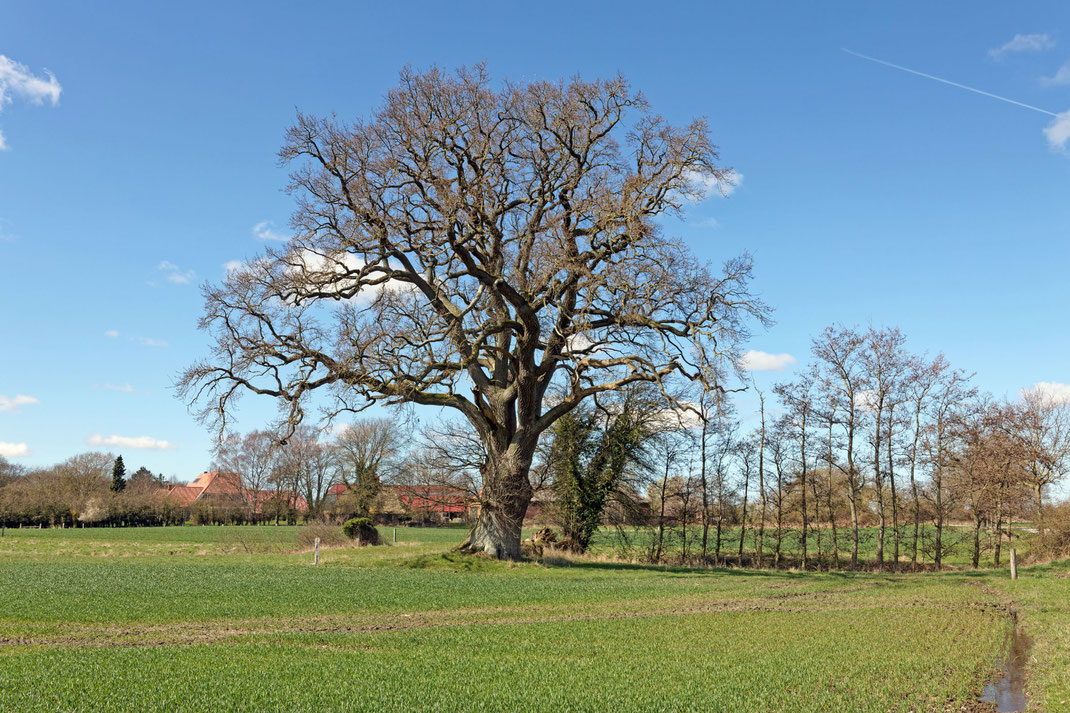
(947, 81)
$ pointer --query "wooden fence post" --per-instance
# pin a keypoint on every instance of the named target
(1014, 564)
(395, 535)
(316, 556)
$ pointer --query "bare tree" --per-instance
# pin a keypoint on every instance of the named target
(1045, 428)
(950, 395)
(725, 447)
(762, 499)
(797, 397)
(253, 457)
(838, 351)
(883, 363)
(313, 465)
(470, 248)
(366, 453)
(747, 454)
(920, 381)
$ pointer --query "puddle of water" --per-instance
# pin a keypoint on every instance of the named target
(1008, 692)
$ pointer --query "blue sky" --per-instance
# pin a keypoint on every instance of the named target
(868, 194)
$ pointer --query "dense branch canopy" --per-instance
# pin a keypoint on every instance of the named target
(470, 248)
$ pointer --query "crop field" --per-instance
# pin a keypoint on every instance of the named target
(227, 618)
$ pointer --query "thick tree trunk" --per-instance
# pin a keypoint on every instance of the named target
(497, 530)
(504, 502)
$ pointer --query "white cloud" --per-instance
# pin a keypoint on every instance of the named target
(1061, 76)
(866, 400)
(328, 273)
(1058, 131)
(175, 274)
(113, 333)
(139, 442)
(12, 404)
(755, 360)
(1056, 392)
(265, 230)
(14, 450)
(16, 80)
(1037, 42)
(233, 265)
(708, 186)
(149, 341)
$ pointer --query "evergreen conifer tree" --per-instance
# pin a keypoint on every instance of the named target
(118, 476)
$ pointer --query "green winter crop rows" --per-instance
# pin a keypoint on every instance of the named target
(111, 620)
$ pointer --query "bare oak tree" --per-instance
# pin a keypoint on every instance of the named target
(468, 248)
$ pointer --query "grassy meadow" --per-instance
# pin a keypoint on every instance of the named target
(230, 618)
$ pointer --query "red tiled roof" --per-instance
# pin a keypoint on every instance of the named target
(228, 484)
(182, 495)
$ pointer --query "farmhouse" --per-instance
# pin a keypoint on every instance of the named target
(224, 490)
(420, 503)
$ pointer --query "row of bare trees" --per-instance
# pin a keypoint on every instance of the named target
(871, 447)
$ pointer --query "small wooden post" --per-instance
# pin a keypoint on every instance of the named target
(1014, 564)
(316, 556)
(395, 535)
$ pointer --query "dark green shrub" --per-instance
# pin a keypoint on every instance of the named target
(362, 530)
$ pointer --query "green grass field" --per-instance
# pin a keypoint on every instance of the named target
(225, 618)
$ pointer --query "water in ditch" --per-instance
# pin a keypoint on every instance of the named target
(1008, 691)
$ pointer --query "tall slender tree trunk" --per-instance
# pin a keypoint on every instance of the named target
(895, 497)
(743, 518)
(998, 533)
(779, 519)
(914, 496)
(976, 559)
(828, 504)
(802, 489)
(761, 487)
(817, 524)
(705, 496)
(938, 483)
(661, 514)
(878, 481)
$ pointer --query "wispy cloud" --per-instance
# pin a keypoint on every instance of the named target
(1037, 42)
(1058, 131)
(265, 230)
(13, 403)
(125, 388)
(14, 450)
(146, 443)
(6, 236)
(16, 80)
(756, 360)
(233, 265)
(174, 274)
(149, 341)
(1061, 76)
(709, 186)
(711, 223)
(113, 333)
